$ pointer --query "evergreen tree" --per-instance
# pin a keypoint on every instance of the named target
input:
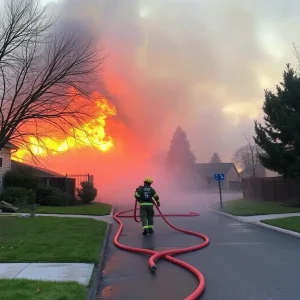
(215, 158)
(279, 138)
(180, 154)
(181, 161)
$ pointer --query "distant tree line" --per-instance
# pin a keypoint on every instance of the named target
(276, 143)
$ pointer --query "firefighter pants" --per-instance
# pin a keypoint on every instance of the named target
(147, 215)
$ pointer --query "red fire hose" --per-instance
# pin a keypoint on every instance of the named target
(155, 255)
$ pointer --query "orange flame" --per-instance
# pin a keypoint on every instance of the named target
(91, 134)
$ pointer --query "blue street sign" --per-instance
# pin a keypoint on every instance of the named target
(219, 177)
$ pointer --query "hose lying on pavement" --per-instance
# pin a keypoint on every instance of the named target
(155, 255)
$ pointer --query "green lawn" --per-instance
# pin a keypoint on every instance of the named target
(50, 239)
(16, 289)
(96, 209)
(290, 223)
(251, 208)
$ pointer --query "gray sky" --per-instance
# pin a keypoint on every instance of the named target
(201, 64)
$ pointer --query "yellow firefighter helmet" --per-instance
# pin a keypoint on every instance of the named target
(148, 180)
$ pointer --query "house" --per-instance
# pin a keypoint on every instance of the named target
(5, 160)
(207, 170)
(260, 171)
(65, 183)
(270, 173)
(7, 164)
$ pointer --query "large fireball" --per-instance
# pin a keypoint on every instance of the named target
(91, 134)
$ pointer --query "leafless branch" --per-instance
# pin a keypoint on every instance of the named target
(297, 54)
(253, 149)
(46, 78)
(246, 157)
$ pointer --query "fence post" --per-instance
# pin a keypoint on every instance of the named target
(66, 185)
(274, 190)
(263, 190)
(289, 191)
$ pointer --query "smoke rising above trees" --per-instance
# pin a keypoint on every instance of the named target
(45, 76)
(178, 72)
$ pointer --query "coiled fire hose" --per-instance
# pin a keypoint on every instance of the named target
(155, 255)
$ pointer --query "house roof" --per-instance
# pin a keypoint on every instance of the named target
(209, 169)
(39, 172)
(260, 171)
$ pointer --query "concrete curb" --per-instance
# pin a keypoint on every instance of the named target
(98, 269)
(278, 229)
(226, 215)
(112, 211)
(267, 226)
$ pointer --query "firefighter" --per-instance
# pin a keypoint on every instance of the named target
(144, 195)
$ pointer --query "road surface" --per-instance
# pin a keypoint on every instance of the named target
(242, 262)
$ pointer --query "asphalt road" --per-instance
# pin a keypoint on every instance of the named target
(242, 262)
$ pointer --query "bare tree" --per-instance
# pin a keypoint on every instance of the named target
(45, 77)
(246, 158)
(254, 161)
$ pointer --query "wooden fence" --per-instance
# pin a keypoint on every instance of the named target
(63, 183)
(80, 178)
(274, 189)
(69, 183)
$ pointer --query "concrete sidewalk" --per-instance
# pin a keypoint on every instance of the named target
(80, 273)
(256, 220)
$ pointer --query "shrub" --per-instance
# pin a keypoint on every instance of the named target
(87, 193)
(20, 177)
(18, 196)
(51, 196)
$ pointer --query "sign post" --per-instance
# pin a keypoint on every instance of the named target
(219, 177)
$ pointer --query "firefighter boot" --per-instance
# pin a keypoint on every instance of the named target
(151, 230)
(145, 232)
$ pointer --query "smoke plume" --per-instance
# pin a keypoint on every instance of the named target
(202, 65)
(199, 64)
